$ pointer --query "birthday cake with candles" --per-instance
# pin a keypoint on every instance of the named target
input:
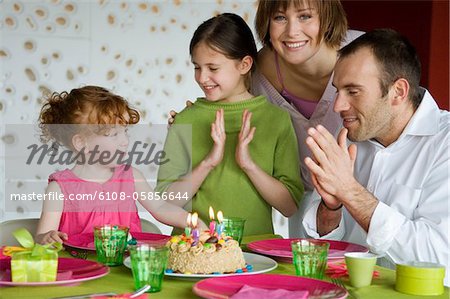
(206, 252)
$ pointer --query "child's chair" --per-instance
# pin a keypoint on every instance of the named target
(7, 227)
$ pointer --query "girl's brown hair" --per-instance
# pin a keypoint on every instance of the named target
(229, 34)
(333, 21)
(89, 105)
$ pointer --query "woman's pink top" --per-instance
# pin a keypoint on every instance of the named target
(305, 107)
(87, 204)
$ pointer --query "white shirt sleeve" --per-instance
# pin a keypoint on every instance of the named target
(384, 226)
(310, 224)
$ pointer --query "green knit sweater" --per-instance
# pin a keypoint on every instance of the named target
(227, 187)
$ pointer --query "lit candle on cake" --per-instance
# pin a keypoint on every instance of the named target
(187, 229)
(212, 224)
(195, 232)
(221, 224)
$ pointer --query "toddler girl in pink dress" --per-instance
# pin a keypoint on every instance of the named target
(99, 189)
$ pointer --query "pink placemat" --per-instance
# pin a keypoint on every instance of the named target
(70, 272)
(281, 248)
(226, 287)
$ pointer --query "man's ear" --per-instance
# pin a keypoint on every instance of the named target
(79, 142)
(246, 64)
(400, 90)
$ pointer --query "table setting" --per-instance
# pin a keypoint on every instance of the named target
(274, 268)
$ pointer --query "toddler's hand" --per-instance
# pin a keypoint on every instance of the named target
(243, 158)
(52, 237)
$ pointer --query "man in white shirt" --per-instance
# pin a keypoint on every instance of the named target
(389, 189)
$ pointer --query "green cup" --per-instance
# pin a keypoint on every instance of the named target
(148, 263)
(310, 257)
(234, 227)
(360, 267)
(110, 243)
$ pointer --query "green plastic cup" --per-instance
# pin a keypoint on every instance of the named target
(110, 243)
(360, 267)
(148, 263)
(234, 227)
(310, 257)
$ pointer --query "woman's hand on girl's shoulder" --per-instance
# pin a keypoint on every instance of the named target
(173, 113)
(51, 237)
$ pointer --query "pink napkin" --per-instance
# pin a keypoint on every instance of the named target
(249, 292)
(338, 270)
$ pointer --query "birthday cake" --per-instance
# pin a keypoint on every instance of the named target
(208, 254)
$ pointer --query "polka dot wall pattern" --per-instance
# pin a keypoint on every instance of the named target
(138, 49)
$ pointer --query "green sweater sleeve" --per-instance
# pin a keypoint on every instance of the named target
(286, 161)
(178, 151)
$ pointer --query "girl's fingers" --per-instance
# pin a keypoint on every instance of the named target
(251, 134)
(246, 118)
(217, 123)
(249, 137)
(222, 121)
(218, 127)
(213, 131)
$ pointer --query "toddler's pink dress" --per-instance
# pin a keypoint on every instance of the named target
(80, 216)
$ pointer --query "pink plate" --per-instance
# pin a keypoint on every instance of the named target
(225, 287)
(281, 248)
(70, 271)
(86, 241)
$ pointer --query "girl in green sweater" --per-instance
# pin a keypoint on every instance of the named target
(233, 159)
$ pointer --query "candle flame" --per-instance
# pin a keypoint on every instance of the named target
(220, 216)
(194, 219)
(188, 221)
(211, 213)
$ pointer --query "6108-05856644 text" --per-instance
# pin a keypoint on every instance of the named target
(104, 195)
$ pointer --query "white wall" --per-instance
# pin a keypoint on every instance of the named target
(138, 49)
